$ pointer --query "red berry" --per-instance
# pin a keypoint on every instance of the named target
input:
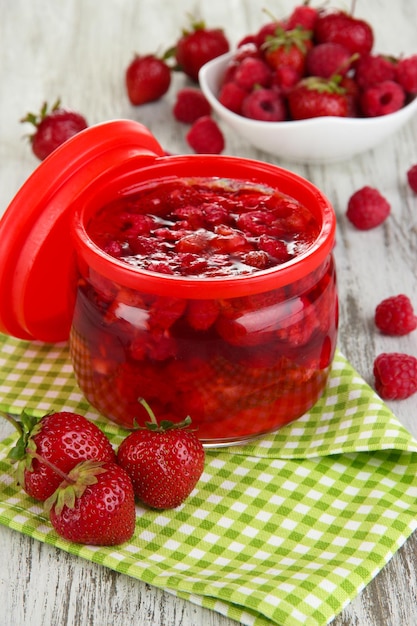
(395, 316)
(367, 208)
(339, 27)
(395, 375)
(163, 461)
(201, 314)
(190, 104)
(197, 47)
(406, 74)
(205, 136)
(372, 69)
(412, 177)
(326, 59)
(317, 97)
(264, 104)
(382, 99)
(232, 96)
(53, 127)
(95, 505)
(62, 439)
(147, 79)
(304, 16)
(287, 48)
(251, 72)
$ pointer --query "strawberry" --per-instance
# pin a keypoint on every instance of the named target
(198, 46)
(287, 48)
(317, 97)
(147, 79)
(164, 461)
(326, 59)
(94, 504)
(339, 27)
(63, 439)
(53, 127)
(302, 15)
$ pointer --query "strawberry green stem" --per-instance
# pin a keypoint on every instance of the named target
(149, 411)
(53, 467)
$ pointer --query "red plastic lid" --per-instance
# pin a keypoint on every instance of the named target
(37, 259)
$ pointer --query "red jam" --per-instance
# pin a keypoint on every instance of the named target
(239, 366)
(200, 228)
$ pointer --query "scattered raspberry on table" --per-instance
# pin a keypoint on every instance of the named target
(367, 208)
(395, 375)
(395, 316)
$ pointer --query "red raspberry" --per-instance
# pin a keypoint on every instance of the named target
(372, 69)
(190, 105)
(205, 136)
(395, 375)
(264, 104)
(412, 177)
(382, 98)
(407, 74)
(395, 316)
(367, 208)
(326, 59)
(232, 96)
(251, 72)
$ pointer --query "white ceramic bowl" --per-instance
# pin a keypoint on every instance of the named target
(319, 140)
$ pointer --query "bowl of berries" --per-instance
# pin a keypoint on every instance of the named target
(311, 88)
(203, 284)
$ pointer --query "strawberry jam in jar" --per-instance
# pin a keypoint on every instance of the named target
(207, 287)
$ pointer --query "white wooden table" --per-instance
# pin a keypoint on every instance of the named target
(78, 50)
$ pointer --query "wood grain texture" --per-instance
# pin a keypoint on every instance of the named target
(78, 50)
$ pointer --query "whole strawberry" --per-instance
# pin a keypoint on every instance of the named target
(340, 27)
(147, 79)
(53, 127)
(63, 439)
(317, 97)
(198, 46)
(287, 48)
(164, 461)
(94, 504)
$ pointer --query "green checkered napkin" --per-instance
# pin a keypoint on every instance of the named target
(286, 530)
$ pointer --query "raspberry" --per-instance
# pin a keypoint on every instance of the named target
(326, 59)
(205, 136)
(251, 72)
(407, 74)
(382, 98)
(264, 104)
(190, 105)
(395, 316)
(372, 69)
(232, 96)
(367, 208)
(395, 375)
(412, 177)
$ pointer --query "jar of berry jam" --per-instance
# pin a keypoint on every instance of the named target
(204, 284)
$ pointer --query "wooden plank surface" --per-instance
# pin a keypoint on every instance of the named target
(78, 50)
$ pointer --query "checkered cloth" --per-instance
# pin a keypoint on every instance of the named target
(286, 530)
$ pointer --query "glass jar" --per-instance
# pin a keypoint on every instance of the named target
(259, 354)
